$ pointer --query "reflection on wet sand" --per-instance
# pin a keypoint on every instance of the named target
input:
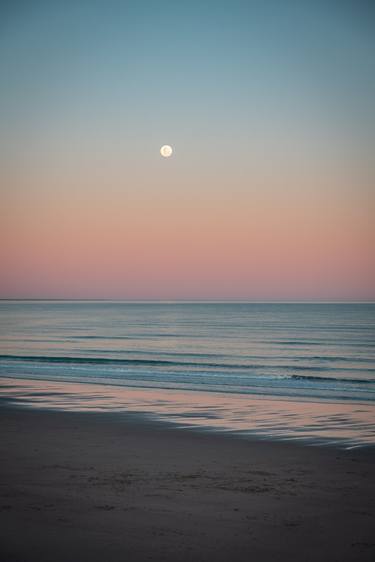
(343, 424)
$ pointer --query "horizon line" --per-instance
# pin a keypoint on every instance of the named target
(188, 301)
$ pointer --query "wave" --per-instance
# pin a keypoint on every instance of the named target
(117, 361)
(142, 335)
(320, 342)
(105, 361)
(333, 379)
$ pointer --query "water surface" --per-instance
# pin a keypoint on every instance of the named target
(295, 353)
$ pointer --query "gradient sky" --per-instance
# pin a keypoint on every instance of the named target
(269, 107)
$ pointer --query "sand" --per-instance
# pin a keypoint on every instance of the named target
(105, 487)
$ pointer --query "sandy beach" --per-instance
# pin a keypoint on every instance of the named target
(85, 486)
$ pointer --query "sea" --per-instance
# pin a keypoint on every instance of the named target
(274, 370)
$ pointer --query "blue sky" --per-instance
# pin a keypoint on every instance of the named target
(267, 103)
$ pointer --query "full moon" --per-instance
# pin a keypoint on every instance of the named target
(166, 151)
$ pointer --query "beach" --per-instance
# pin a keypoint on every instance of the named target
(110, 486)
(186, 432)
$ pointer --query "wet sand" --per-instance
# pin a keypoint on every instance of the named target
(340, 423)
(112, 487)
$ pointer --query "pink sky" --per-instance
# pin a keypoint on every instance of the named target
(173, 231)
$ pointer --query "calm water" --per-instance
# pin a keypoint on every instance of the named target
(318, 352)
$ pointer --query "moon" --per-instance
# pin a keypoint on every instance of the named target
(166, 151)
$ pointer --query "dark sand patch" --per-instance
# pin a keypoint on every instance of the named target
(108, 488)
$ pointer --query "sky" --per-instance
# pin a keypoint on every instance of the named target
(269, 108)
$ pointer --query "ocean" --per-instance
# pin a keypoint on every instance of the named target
(310, 353)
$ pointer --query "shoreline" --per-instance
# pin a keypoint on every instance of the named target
(149, 419)
(108, 487)
(337, 424)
